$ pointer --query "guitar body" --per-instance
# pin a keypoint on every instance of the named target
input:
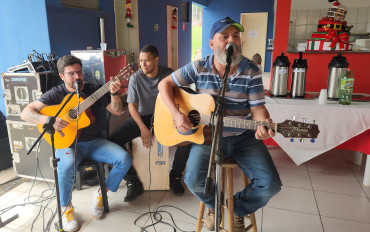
(64, 138)
(164, 126)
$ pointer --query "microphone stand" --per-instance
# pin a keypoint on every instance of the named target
(49, 128)
(217, 150)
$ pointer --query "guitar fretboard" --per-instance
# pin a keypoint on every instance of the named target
(240, 123)
(125, 73)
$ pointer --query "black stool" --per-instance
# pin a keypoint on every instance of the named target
(87, 165)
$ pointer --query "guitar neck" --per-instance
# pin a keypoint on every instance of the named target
(124, 74)
(94, 97)
(240, 123)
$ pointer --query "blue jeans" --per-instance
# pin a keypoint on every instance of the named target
(254, 160)
(100, 150)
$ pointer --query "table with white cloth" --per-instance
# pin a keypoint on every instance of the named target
(337, 124)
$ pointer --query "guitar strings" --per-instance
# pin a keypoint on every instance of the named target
(126, 71)
(197, 118)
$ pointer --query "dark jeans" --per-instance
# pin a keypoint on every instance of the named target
(129, 130)
(254, 160)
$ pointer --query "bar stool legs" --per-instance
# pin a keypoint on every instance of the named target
(251, 217)
(230, 197)
(228, 167)
(199, 225)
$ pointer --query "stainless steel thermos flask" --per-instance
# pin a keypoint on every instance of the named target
(337, 67)
(279, 85)
(298, 83)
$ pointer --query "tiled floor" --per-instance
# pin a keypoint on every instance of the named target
(324, 194)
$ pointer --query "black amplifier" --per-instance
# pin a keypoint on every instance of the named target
(22, 136)
(20, 89)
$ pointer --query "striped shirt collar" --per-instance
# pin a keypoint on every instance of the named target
(243, 65)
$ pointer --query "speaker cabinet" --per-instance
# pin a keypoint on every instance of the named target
(20, 89)
(22, 136)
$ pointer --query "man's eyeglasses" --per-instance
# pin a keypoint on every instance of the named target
(146, 61)
(71, 74)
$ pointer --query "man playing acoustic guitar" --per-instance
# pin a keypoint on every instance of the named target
(244, 98)
(91, 143)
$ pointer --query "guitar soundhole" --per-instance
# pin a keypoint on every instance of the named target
(194, 117)
(72, 114)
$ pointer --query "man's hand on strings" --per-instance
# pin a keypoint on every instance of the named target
(60, 124)
(182, 122)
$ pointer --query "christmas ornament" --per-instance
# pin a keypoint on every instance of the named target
(174, 19)
(128, 15)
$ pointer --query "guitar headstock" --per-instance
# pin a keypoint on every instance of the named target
(125, 72)
(295, 129)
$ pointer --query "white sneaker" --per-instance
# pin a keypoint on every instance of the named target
(97, 208)
(68, 219)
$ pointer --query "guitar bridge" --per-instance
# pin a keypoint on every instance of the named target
(60, 132)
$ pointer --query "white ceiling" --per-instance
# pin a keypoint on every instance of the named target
(323, 4)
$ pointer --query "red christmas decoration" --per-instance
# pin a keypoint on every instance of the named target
(336, 3)
(128, 15)
(174, 19)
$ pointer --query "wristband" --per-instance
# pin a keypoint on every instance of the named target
(114, 94)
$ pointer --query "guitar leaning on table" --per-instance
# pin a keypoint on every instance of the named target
(199, 107)
(65, 137)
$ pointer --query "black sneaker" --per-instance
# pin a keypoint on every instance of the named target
(134, 189)
(176, 186)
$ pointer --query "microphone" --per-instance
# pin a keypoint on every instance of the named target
(230, 48)
(77, 87)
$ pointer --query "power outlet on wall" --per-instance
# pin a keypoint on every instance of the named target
(156, 27)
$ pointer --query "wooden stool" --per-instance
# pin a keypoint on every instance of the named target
(227, 165)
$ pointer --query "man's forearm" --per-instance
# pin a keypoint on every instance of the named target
(260, 113)
(32, 116)
(136, 116)
(116, 105)
(166, 91)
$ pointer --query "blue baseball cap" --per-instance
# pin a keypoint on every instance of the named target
(222, 24)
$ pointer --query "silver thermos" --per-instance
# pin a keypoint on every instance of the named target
(298, 83)
(279, 85)
(337, 67)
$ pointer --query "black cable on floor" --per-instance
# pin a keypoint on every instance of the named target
(156, 216)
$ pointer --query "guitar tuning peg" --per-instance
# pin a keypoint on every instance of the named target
(312, 140)
(313, 121)
(292, 140)
(293, 117)
(301, 140)
(303, 119)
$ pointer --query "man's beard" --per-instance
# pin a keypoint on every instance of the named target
(220, 56)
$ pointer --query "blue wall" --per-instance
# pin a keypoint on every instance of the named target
(218, 9)
(154, 12)
(46, 26)
(23, 27)
(75, 29)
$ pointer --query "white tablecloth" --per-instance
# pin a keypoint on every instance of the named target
(337, 123)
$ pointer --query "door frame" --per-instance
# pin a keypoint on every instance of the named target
(262, 33)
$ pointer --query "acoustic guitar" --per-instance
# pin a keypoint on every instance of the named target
(77, 107)
(199, 107)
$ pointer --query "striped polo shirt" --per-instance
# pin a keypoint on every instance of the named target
(244, 88)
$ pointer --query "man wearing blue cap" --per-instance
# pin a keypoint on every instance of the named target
(244, 98)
